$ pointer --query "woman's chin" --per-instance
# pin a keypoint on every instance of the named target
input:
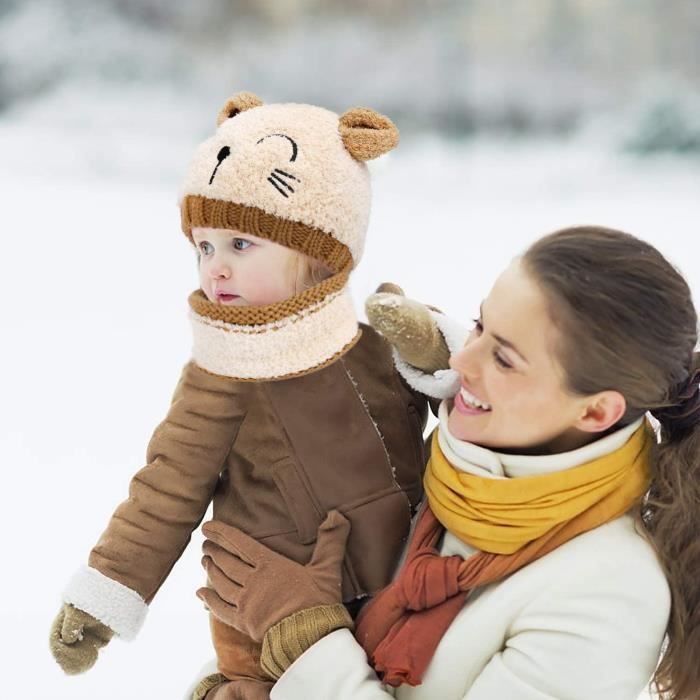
(460, 429)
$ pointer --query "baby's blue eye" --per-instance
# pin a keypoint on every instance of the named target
(206, 248)
(241, 243)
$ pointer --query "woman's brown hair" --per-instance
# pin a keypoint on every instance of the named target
(627, 323)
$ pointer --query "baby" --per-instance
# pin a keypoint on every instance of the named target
(289, 407)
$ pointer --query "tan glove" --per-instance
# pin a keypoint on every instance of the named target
(252, 588)
(409, 326)
(286, 605)
(76, 638)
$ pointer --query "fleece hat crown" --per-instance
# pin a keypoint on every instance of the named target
(291, 173)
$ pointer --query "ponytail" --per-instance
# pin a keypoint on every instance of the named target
(671, 518)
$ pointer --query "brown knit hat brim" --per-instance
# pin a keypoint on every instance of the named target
(198, 211)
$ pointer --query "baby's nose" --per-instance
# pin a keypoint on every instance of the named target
(220, 271)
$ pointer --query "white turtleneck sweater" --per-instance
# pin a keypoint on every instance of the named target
(584, 622)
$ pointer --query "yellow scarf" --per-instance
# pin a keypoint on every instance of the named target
(503, 515)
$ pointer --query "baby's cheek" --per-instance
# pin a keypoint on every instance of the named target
(205, 288)
(202, 279)
(274, 290)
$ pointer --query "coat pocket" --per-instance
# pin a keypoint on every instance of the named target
(378, 534)
(304, 512)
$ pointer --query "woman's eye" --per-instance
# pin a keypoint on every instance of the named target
(241, 243)
(478, 326)
(501, 361)
(206, 248)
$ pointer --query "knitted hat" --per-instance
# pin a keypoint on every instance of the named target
(291, 173)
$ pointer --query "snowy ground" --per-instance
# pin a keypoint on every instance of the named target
(95, 278)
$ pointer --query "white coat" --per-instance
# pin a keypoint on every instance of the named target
(584, 622)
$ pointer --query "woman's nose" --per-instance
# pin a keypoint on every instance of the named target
(466, 359)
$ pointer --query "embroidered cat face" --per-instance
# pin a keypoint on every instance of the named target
(293, 173)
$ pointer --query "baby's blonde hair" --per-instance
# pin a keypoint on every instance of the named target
(307, 271)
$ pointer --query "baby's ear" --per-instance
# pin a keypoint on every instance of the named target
(240, 102)
(367, 134)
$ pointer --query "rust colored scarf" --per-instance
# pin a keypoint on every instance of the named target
(403, 625)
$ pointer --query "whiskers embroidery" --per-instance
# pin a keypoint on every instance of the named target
(224, 153)
(277, 178)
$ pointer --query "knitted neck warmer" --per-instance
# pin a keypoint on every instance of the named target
(293, 337)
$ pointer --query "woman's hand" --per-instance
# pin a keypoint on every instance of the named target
(287, 606)
(253, 588)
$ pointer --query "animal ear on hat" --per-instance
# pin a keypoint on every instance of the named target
(240, 102)
(367, 134)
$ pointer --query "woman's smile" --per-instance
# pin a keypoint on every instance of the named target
(466, 403)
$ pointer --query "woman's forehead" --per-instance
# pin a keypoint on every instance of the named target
(516, 309)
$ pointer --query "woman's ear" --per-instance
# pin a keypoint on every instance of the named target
(367, 134)
(602, 412)
(240, 102)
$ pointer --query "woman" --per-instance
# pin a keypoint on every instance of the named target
(560, 543)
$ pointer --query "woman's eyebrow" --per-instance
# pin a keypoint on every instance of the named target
(503, 341)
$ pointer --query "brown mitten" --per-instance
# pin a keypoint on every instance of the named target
(76, 638)
(409, 326)
(253, 588)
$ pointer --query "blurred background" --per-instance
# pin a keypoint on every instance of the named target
(121, 71)
(517, 118)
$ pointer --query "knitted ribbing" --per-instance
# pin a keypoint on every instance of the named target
(261, 315)
(207, 684)
(214, 213)
(291, 637)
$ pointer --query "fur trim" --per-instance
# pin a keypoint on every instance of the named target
(444, 383)
(454, 333)
(111, 602)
